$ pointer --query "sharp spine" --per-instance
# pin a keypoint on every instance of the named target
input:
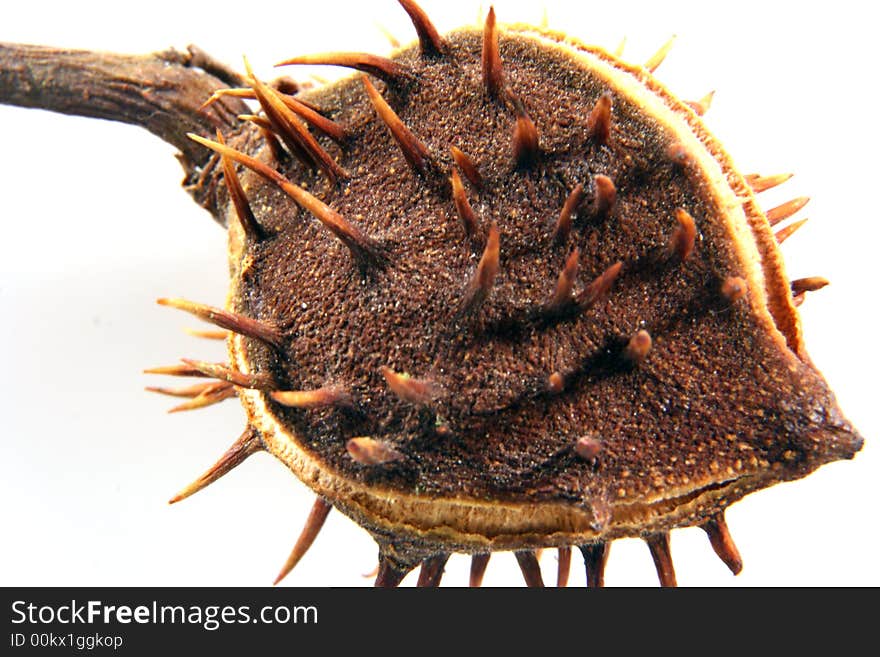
(288, 126)
(262, 381)
(463, 207)
(595, 557)
(409, 389)
(657, 58)
(787, 209)
(563, 567)
(207, 335)
(311, 399)
(531, 569)
(249, 224)
(701, 106)
(189, 391)
(219, 392)
(599, 287)
(493, 76)
(722, 543)
(369, 451)
(390, 573)
(468, 168)
(760, 183)
(363, 248)
(484, 276)
(658, 544)
(525, 138)
(246, 326)
(810, 284)
(247, 444)
(274, 145)
(432, 570)
(305, 111)
(320, 509)
(176, 370)
(381, 67)
(429, 39)
(606, 196)
(563, 223)
(684, 236)
(599, 121)
(478, 569)
(562, 296)
(784, 233)
(414, 151)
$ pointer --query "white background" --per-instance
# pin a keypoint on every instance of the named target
(95, 227)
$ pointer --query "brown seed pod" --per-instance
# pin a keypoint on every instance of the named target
(587, 271)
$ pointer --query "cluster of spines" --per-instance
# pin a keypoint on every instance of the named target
(285, 120)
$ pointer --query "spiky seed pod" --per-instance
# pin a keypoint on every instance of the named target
(504, 306)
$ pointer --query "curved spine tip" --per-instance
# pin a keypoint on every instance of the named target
(430, 40)
(432, 570)
(722, 542)
(810, 284)
(383, 68)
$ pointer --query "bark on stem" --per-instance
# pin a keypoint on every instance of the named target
(162, 92)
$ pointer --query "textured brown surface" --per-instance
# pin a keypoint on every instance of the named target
(716, 398)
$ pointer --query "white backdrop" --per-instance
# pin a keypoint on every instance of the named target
(96, 227)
